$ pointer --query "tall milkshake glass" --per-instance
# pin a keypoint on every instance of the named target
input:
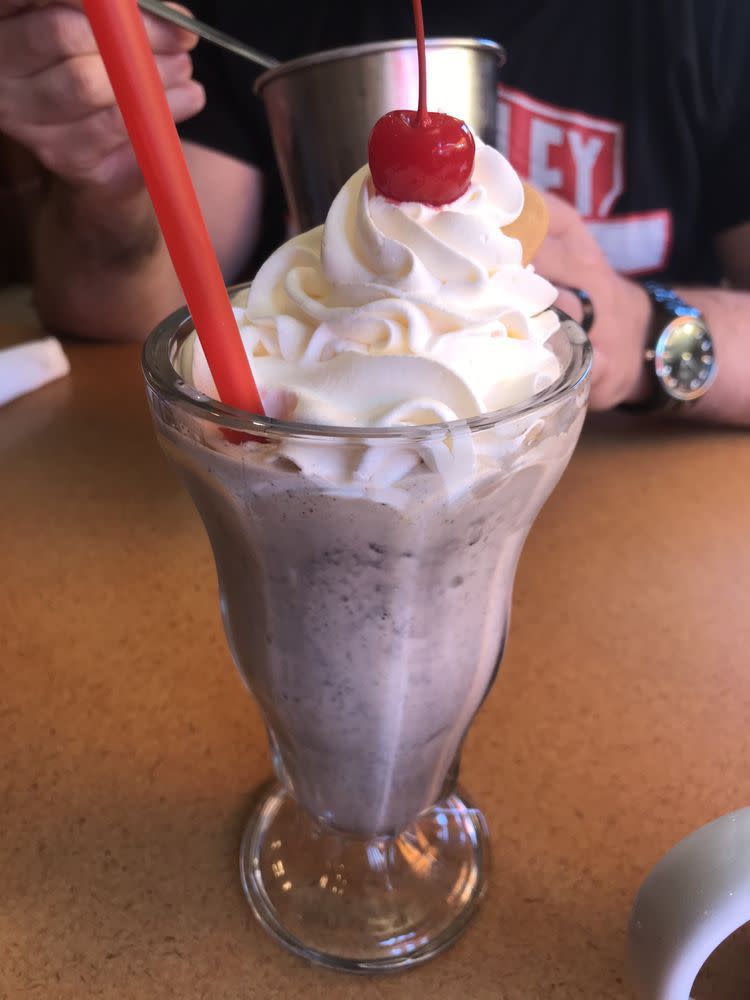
(368, 621)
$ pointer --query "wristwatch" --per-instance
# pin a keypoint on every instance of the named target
(680, 354)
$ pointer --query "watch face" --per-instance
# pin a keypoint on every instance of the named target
(685, 362)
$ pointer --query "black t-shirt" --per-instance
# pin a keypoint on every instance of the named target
(636, 111)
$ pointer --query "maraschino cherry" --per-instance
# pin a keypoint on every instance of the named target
(419, 155)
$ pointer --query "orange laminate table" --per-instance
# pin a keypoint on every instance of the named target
(129, 749)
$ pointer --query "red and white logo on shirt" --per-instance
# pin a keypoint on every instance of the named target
(582, 159)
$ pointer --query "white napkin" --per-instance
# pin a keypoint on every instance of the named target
(30, 366)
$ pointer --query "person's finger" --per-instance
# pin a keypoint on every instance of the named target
(73, 90)
(119, 167)
(569, 303)
(186, 100)
(39, 37)
(562, 215)
(82, 151)
(550, 260)
(8, 8)
(166, 37)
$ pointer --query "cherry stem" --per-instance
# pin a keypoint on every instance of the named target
(422, 60)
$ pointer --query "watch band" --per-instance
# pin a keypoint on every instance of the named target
(668, 303)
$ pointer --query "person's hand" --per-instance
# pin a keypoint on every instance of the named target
(571, 256)
(55, 96)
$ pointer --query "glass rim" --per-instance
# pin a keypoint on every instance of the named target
(166, 382)
(344, 52)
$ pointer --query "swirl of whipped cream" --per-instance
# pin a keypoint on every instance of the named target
(399, 313)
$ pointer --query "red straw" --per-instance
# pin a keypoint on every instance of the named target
(123, 43)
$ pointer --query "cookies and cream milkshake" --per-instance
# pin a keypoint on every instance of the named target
(366, 540)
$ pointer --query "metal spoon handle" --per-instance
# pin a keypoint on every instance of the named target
(220, 38)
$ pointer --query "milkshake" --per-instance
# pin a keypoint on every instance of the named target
(369, 632)
(422, 400)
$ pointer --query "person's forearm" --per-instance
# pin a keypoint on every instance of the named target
(728, 317)
(101, 269)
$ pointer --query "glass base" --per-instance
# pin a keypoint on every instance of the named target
(364, 905)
